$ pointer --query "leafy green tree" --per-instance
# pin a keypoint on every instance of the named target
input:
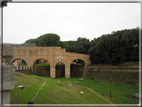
(64, 44)
(49, 40)
(130, 42)
(71, 47)
(119, 46)
(82, 45)
(46, 40)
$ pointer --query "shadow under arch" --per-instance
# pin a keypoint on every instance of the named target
(41, 67)
(19, 62)
(77, 68)
(60, 69)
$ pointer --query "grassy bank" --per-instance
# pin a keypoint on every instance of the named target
(121, 93)
(51, 92)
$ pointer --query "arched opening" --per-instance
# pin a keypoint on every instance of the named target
(19, 63)
(77, 68)
(60, 70)
(41, 67)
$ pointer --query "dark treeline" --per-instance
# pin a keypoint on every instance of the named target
(114, 48)
(120, 46)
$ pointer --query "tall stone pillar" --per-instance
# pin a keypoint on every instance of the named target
(31, 66)
(8, 83)
(67, 72)
(52, 72)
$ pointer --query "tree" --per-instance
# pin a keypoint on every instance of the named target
(46, 40)
(82, 45)
(119, 46)
(64, 44)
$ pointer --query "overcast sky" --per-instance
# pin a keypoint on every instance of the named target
(23, 21)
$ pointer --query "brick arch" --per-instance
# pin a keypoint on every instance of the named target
(60, 61)
(78, 58)
(19, 58)
(40, 58)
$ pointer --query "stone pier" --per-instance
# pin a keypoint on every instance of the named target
(8, 80)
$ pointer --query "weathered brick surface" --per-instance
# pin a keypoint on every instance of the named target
(25, 71)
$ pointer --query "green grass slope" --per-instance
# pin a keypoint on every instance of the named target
(53, 92)
(121, 93)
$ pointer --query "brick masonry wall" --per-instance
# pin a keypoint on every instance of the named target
(25, 71)
(45, 71)
(127, 76)
(60, 71)
(42, 71)
(119, 76)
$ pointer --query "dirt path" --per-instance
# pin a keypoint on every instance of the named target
(108, 101)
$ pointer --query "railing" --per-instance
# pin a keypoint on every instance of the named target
(21, 67)
(20, 45)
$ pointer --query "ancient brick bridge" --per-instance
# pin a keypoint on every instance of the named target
(52, 54)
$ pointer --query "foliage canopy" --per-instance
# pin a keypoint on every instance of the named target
(46, 40)
(114, 48)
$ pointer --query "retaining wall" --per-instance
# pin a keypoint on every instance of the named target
(123, 75)
(25, 71)
(42, 71)
(119, 75)
(45, 71)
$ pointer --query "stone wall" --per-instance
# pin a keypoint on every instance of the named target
(45, 71)
(77, 71)
(127, 76)
(25, 71)
(42, 71)
(60, 71)
(119, 76)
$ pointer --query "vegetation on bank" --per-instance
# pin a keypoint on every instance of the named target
(114, 48)
(42, 65)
